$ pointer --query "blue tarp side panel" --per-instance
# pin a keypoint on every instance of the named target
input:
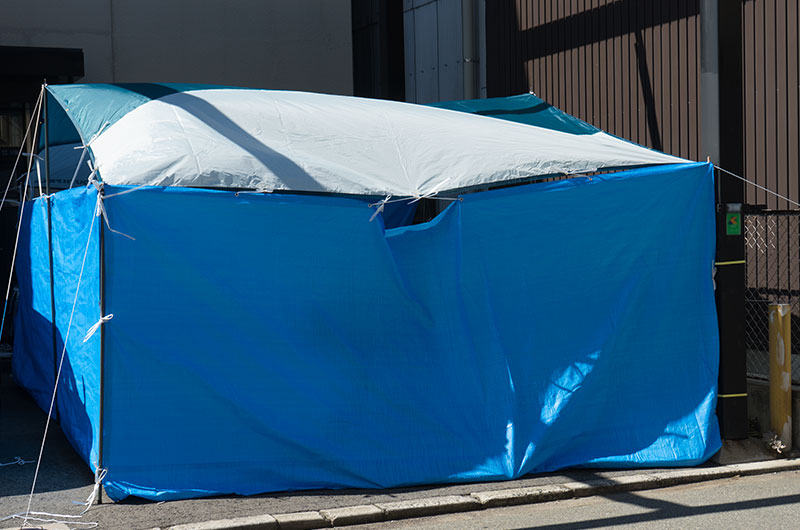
(599, 291)
(277, 342)
(79, 385)
(524, 108)
(33, 360)
(80, 111)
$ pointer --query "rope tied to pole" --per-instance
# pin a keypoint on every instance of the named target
(27, 514)
(100, 210)
(380, 206)
(92, 330)
(99, 475)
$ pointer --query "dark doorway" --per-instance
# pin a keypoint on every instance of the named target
(22, 72)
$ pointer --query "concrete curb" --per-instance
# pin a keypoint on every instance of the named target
(258, 522)
(375, 513)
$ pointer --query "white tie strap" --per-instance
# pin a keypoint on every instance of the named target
(101, 212)
(99, 475)
(432, 192)
(380, 205)
(91, 331)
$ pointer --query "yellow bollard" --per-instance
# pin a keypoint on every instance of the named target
(780, 372)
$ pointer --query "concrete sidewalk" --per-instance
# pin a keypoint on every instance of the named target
(425, 507)
(65, 478)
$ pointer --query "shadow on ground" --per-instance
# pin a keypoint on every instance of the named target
(64, 478)
(22, 425)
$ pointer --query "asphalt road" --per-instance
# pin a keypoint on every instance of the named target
(762, 501)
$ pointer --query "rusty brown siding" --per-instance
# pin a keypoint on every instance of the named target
(633, 68)
(771, 99)
(629, 67)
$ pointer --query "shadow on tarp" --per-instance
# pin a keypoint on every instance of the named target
(35, 359)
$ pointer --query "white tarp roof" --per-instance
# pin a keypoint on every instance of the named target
(279, 140)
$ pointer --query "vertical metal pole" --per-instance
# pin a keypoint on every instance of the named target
(481, 53)
(46, 142)
(709, 79)
(780, 372)
(100, 426)
(730, 280)
(468, 48)
(722, 141)
(48, 201)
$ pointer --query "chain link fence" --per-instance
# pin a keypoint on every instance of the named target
(772, 275)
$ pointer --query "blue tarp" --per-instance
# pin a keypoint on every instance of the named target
(277, 342)
(33, 368)
(34, 361)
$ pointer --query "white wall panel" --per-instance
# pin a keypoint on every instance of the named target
(409, 52)
(451, 51)
(426, 53)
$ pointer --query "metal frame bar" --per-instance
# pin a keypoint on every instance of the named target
(101, 422)
(54, 326)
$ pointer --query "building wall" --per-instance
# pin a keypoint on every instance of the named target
(443, 47)
(378, 62)
(301, 45)
(631, 68)
(434, 54)
(771, 100)
(48, 23)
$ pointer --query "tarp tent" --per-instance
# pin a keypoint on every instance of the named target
(276, 339)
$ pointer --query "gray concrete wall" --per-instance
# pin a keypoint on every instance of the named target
(51, 23)
(299, 45)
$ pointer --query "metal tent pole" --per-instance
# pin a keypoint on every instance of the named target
(46, 143)
(101, 422)
(48, 202)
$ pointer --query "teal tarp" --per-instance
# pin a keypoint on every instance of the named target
(525, 108)
(81, 111)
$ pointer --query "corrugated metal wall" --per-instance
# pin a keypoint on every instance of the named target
(629, 67)
(771, 99)
(434, 58)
